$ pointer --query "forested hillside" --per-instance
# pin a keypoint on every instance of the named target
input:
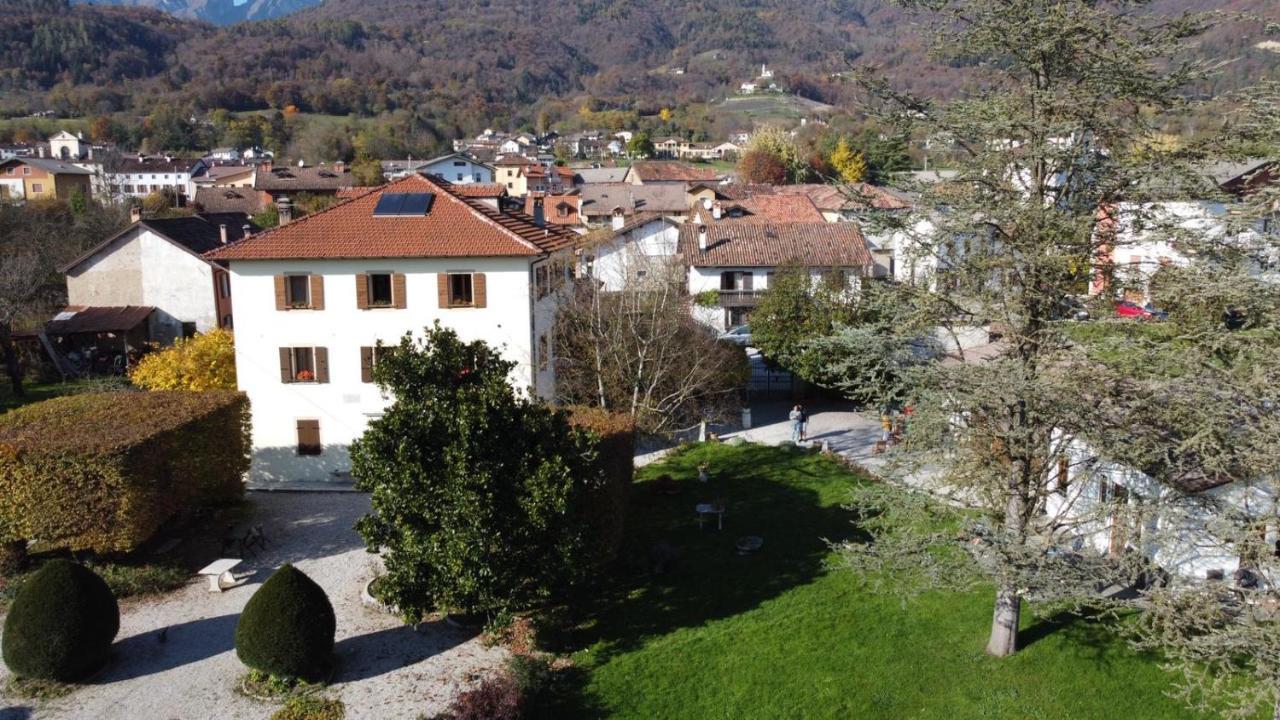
(460, 66)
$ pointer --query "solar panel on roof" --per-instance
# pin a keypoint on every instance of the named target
(403, 204)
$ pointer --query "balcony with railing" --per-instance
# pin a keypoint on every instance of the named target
(740, 298)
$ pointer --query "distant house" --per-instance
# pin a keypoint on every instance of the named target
(65, 146)
(225, 154)
(666, 171)
(554, 209)
(223, 200)
(274, 181)
(138, 176)
(603, 202)
(490, 194)
(313, 300)
(588, 176)
(457, 168)
(510, 171)
(231, 175)
(748, 88)
(159, 263)
(42, 179)
(738, 260)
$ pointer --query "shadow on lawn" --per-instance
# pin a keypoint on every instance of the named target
(768, 491)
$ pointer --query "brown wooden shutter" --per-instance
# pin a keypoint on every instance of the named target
(398, 296)
(282, 297)
(478, 290)
(366, 364)
(442, 288)
(309, 437)
(317, 292)
(362, 292)
(322, 365)
(286, 365)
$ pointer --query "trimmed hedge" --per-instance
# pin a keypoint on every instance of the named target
(61, 624)
(606, 506)
(103, 471)
(287, 628)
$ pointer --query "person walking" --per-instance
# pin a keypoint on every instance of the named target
(804, 423)
(794, 417)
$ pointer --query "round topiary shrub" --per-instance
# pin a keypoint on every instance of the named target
(61, 624)
(287, 628)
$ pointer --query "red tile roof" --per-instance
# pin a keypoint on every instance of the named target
(783, 208)
(480, 190)
(456, 226)
(354, 192)
(825, 245)
(670, 171)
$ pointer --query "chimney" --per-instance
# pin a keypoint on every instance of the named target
(40, 150)
(266, 165)
(135, 213)
(339, 167)
(702, 237)
(539, 212)
(246, 230)
(619, 219)
(706, 203)
(222, 233)
(716, 211)
(284, 208)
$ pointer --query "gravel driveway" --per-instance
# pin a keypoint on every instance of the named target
(190, 671)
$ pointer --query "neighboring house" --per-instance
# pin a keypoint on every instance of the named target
(243, 200)
(738, 260)
(1182, 543)
(648, 172)
(138, 176)
(631, 249)
(225, 154)
(274, 181)
(601, 202)
(44, 179)
(159, 263)
(234, 175)
(555, 209)
(510, 171)
(592, 176)
(457, 168)
(313, 299)
(1136, 241)
(757, 209)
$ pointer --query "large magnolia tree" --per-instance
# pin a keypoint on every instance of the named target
(1057, 169)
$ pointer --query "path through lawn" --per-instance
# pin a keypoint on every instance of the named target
(782, 635)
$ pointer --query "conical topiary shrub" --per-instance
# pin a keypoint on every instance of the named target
(61, 624)
(287, 628)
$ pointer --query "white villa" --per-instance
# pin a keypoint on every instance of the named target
(314, 297)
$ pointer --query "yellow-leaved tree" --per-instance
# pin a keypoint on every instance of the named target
(851, 165)
(202, 362)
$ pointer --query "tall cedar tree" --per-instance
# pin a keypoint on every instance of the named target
(1057, 137)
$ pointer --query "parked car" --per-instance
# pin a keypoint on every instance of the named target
(1127, 309)
(740, 335)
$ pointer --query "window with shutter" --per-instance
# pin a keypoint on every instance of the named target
(297, 291)
(303, 365)
(461, 290)
(322, 364)
(362, 292)
(317, 292)
(309, 437)
(380, 290)
(399, 291)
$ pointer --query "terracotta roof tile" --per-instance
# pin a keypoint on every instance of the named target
(823, 244)
(670, 171)
(284, 178)
(481, 190)
(456, 226)
(227, 200)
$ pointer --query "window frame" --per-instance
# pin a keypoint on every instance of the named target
(391, 290)
(290, 300)
(470, 289)
(294, 366)
(308, 450)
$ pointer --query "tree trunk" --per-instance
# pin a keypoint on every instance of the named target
(11, 361)
(1004, 623)
(1275, 712)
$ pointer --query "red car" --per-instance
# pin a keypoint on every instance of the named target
(1127, 309)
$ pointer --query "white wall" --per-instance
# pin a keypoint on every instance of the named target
(344, 405)
(459, 171)
(142, 268)
(616, 261)
(1181, 540)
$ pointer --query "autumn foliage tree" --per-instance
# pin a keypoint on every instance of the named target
(202, 362)
(762, 166)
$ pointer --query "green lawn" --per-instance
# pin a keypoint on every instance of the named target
(781, 634)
